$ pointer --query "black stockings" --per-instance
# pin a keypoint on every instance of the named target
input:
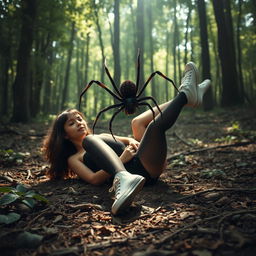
(105, 152)
(153, 147)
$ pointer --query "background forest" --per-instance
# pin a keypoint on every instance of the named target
(50, 49)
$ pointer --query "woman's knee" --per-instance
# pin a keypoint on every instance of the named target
(88, 140)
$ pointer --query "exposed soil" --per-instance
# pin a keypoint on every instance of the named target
(204, 203)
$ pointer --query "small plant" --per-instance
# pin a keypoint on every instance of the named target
(18, 195)
(9, 156)
(227, 139)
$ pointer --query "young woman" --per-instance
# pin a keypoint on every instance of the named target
(71, 149)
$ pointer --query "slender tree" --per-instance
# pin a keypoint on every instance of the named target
(230, 93)
(21, 110)
(140, 37)
(116, 50)
(151, 46)
(67, 74)
(205, 56)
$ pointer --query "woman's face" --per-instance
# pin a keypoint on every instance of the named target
(75, 127)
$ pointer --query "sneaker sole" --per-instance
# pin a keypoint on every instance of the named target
(127, 199)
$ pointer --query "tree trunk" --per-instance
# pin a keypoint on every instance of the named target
(48, 95)
(208, 97)
(21, 111)
(174, 43)
(230, 93)
(117, 67)
(66, 80)
(167, 84)
(151, 47)
(186, 33)
(140, 39)
(101, 44)
(239, 50)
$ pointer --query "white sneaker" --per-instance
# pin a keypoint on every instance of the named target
(126, 187)
(202, 88)
(189, 84)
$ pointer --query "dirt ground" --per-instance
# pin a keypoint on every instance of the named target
(203, 205)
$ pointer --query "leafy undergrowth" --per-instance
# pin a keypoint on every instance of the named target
(204, 203)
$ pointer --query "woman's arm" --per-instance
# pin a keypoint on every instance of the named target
(85, 173)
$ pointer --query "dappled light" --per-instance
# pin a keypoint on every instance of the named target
(66, 192)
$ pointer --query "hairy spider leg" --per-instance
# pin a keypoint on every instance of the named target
(148, 105)
(111, 120)
(101, 85)
(151, 98)
(111, 79)
(138, 72)
(103, 110)
(151, 76)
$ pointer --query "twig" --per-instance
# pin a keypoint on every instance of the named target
(222, 216)
(220, 227)
(168, 237)
(246, 190)
(182, 140)
(209, 148)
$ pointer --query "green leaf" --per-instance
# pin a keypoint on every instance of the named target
(8, 198)
(28, 240)
(21, 188)
(6, 189)
(40, 198)
(30, 193)
(30, 202)
(9, 218)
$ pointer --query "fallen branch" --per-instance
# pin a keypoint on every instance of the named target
(239, 144)
(182, 140)
(244, 190)
(222, 216)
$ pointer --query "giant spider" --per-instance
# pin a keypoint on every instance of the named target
(127, 94)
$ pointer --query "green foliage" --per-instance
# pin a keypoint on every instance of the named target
(9, 157)
(214, 173)
(235, 133)
(13, 196)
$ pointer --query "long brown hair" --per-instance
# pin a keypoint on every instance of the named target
(57, 149)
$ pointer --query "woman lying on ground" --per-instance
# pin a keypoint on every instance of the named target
(70, 147)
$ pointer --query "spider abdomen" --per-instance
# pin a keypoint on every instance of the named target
(127, 89)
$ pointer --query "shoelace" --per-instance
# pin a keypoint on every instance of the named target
(187, 77)
(116, 187)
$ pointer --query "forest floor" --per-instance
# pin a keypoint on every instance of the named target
(204, 203)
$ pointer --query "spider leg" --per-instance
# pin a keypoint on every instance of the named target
(103, 110)
(111, 79)
(151, 76)
(146, 104)
(151, 98)
(111, 120)
(101, 85)
(138, 71)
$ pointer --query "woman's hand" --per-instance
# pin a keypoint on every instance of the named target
(128, 153)
(134, 143)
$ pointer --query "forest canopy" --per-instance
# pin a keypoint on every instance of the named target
(50, 50)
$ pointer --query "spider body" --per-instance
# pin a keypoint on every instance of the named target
(128, 95)
(128, 91)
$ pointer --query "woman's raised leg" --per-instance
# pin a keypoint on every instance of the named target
(153, 147)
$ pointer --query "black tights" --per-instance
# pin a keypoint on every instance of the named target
(153, 147)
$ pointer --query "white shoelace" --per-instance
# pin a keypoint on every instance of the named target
(187, 77)
(115, 187)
